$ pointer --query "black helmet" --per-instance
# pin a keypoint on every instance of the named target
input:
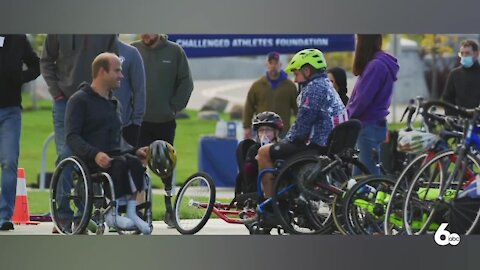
(161, 158)
(270, 119)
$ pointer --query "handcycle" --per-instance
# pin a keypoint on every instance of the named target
(293, 211)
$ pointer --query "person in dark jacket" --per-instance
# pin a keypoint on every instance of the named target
(66, 62)
(274, 92)
(463, 83)
(338, 77)
(94, 133)
(15, 50)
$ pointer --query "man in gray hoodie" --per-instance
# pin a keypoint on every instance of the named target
(169, 86)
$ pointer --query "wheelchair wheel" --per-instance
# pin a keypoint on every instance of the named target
(365, 203)
(297, 213)
(70, 196)
(194, 203)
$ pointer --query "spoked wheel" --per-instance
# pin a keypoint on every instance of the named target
(365, 203)
(70, 196)
(337, 206)
(433, 196)
(194, 203)
(394, 212)
(338, 202)
(297, 212)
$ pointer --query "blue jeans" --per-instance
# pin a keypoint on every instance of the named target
(370, 138)
(10, 129)
(58, 111)
(63, 151)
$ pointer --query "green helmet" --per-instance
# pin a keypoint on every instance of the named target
(313, 57)
(161, 158)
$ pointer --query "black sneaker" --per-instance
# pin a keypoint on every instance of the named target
(6, 225)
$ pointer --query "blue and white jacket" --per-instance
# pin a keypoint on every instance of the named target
(320, 109)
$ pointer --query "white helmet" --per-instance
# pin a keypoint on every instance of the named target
(415, 141)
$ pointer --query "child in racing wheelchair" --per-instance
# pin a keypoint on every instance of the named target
(267, 127)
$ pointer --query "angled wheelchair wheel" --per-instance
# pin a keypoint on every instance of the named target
(297, 212)
(194, 203)
(364, 205)
(70, 196)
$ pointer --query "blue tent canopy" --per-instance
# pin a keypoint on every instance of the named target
(239, 45)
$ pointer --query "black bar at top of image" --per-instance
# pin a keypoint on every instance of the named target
(233, 16)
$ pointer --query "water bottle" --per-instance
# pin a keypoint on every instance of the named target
(240, 135)
(231, 130)
(221, 129)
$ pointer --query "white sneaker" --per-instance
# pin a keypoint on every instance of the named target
(119, 221)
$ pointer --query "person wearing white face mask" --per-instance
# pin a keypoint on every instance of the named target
(267, 126)
(463, 83)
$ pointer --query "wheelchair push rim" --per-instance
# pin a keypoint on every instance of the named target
(71, 202)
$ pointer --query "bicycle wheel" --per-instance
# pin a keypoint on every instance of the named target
(194, 203)
(365, 203)
(298, 213)
(337, 207)
(432, 197)
(394, 212)
(70, 196)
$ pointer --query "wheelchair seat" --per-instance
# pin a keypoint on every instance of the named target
(343, 137)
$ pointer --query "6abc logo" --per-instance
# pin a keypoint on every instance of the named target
(443, 237)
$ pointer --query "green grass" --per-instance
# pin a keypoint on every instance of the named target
(37, 125)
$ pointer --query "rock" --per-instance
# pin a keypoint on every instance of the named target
(209, 115)
(182, 115)
(236, 113)
(215, 104)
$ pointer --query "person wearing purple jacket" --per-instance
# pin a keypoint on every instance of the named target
(372, 95)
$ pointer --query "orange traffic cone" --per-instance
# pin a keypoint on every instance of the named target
(21, 215)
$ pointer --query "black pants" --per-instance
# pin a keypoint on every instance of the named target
(150, 132)
(131, 134)
(119, 171)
